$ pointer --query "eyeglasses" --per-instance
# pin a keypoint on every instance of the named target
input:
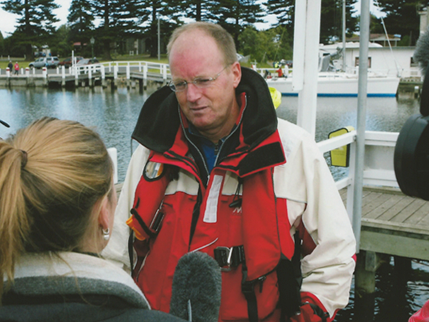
(200, 82)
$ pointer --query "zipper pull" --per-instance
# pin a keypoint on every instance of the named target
(261, 281)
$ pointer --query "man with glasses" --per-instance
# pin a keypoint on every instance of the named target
(217, 172)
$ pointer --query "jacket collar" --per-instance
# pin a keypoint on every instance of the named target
(44, 274)
(161, 124)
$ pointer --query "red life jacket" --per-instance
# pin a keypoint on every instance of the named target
(254, 222)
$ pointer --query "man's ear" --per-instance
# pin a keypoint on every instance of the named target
(236, 71)
(104, 215)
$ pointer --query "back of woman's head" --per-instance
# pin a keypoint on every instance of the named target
(52, 173)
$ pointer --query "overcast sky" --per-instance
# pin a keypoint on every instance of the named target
(8, 20)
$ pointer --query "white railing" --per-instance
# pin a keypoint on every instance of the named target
(378, 165)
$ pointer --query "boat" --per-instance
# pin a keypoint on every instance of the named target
(341, 84)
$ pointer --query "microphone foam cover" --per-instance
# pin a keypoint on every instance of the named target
(421, 54)
(197, 279)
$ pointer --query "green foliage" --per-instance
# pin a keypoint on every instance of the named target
(264, 46)
(35, 23)
(402, 18)
(59, 43)
(81, 23)
(331, 20)
(235, 15)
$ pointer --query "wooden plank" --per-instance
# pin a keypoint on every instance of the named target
(383, 207)
(394, 245)
(409, 210)
(425, 220)
(416, 217)
(392, 228)
(373, 201)
(396, 209)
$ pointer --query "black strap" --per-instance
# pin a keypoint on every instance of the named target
(131, 251)
(248, 290)
(290, 280)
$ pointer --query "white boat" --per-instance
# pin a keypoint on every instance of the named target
(341, 84)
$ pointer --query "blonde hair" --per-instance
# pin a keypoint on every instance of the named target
(222, 38)
(52, 174)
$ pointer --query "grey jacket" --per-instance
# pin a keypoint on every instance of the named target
(74, 287)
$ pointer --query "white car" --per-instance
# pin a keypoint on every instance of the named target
(48, 62)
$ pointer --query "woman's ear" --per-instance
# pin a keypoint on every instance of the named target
(104, 215)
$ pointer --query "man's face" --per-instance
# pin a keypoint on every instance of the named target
(213, 110)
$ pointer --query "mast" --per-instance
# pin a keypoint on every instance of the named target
(344, 35)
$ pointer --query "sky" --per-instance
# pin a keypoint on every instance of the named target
(8, 20)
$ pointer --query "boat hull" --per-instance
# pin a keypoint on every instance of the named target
(341, 86)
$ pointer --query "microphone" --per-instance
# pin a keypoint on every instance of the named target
(421, 54)
(197, 285)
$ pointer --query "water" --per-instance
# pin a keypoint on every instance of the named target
(113, 114)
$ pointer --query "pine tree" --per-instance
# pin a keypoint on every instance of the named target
(235, 15)
(331, 20)
(402, 18)
(119, 19)
(80, 22)
(168, 13)
(35, 22)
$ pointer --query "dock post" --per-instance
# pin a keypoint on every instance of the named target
(63, 76)
(145, 77)
(115, 76)
(103, 77)
(90, 82)
(7, 72)
(366, 266)
(45, 75)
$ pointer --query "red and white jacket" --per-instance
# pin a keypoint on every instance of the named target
(274, 168)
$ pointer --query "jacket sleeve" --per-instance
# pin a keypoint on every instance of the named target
(316, 209)
(117, 248)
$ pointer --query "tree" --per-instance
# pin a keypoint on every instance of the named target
(284, 10)
(402, 17)
(119, 19)
(235, 15)
(272, 44)
(35, 24)
(80, 22)
(168, 13)
(2, 46)
(59, 43)
(197, 10)
(331, 20)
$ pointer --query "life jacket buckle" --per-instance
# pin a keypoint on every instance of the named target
(229, 257)
(223, 256)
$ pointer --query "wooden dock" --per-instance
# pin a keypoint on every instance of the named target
(393, 223)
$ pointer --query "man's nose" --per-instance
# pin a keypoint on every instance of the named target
(193, 93)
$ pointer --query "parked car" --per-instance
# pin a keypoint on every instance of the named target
(87, 61)
(38, 63)
(48, 62)
(68, 61)
(52, 62)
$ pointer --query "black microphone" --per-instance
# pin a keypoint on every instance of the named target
(197, 285)
(421, 54)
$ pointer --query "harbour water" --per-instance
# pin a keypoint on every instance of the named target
(113, 114)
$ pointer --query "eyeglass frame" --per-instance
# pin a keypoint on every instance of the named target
(209, 80)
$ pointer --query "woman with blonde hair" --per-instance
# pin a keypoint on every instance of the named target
(57, 203)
